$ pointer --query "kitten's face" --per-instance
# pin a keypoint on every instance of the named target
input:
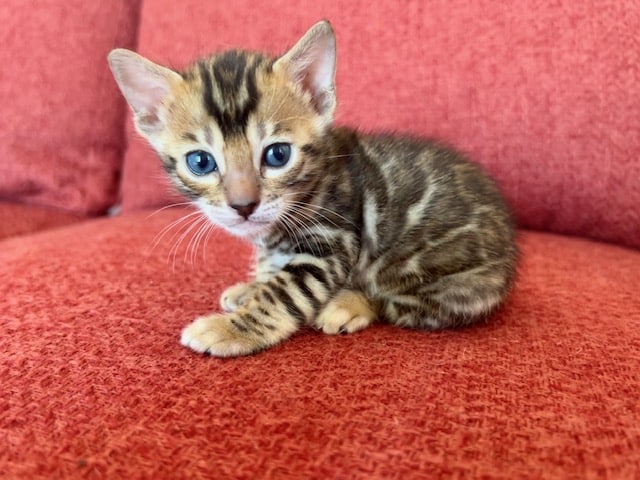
(235, 130)
(241, 177)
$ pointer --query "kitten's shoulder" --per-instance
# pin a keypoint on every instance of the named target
(406, 140)
(401, 147)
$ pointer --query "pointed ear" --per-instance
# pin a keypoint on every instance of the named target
(311, 64)
(144, 85)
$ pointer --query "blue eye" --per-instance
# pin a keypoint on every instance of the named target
(201, 162)
(277, 155)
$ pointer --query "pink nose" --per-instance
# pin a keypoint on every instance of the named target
(245, 211)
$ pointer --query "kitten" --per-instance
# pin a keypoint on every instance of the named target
(349, 228)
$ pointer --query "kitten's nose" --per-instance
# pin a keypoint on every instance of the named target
(246, 210)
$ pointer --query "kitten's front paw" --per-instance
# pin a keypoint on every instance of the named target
(218, 335)
(348, 312)
(234, 296)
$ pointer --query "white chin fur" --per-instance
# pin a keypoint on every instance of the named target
(248, 229)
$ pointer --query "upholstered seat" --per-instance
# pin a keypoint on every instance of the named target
(93, 380)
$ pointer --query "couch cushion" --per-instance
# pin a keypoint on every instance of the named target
(61, 128)
(16, 219)
(544, 94)
(95, 383)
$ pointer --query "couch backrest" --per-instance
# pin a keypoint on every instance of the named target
(545, 94)
(61, 127)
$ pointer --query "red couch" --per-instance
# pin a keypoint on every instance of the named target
(94, 383)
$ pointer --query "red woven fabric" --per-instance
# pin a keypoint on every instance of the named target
(543, 93)
(95, 384)
(61, 128)
(16, 219)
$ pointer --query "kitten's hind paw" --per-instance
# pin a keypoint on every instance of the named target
(348, 312)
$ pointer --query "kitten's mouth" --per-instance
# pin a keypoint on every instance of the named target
(249, 228)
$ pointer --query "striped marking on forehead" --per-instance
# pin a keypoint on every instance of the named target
(230, 92)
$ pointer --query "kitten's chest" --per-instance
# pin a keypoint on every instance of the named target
(280, 258)
(271, 261)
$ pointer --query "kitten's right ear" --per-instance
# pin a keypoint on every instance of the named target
(144, 85)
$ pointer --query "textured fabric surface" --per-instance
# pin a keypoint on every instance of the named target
(16, 219)
(543, 93)
(61, 128)
(95, 384)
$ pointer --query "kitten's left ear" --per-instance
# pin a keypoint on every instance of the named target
(311, 63)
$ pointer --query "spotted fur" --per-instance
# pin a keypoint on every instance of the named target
(352, 229)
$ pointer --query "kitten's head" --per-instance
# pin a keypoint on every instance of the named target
(236, 131)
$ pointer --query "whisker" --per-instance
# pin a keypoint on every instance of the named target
(174, 250)
(342, 156)
(288, 229)
(315, 223)
(306, 229)
(275, 112)
(292, 224)
(292, 118)
(312, 208)
(199, 237)
(212, 227)
(310, 215)
(166, 229)
(192, 246)
(310, 212)
(173, 205)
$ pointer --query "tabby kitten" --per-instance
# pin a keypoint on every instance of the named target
(349, 228)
